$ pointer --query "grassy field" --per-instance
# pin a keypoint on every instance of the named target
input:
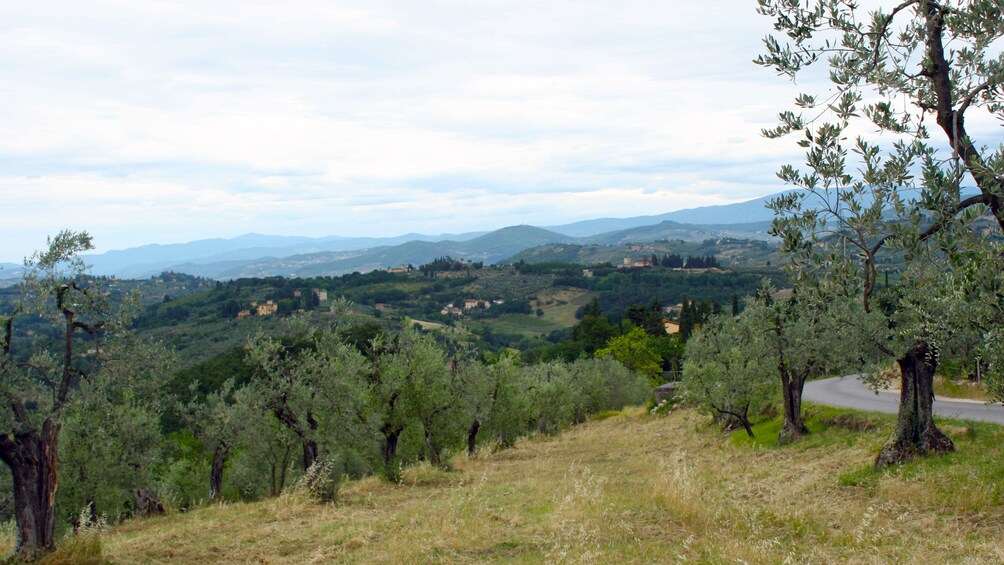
(627, 488)
(559, 307)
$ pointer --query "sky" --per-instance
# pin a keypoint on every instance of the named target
(157, 121)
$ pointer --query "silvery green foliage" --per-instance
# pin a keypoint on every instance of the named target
(727, 367)
(312, 383)
(266, 451)
(39, 376)
(503, 403)
(430, 392)
(111, 437)
(961, 313)
(605, 384)
(889, 145)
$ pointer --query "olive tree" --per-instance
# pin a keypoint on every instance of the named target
(503, 409)
(312, 383)
(216, 421)
(726, 369)
(895, 68)
(111, 431)
(38, 378)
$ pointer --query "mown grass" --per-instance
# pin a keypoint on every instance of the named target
(628, 488)
(558, 307)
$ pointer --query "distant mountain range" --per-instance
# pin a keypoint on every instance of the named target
(751, 211)
(264, 255)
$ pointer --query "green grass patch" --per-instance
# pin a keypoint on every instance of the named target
(523, 324)
(599, 416)
(827, 426)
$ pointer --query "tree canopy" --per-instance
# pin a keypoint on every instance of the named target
(901, 189)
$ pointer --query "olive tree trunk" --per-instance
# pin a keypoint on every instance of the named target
(216, 471)
(915, 432)
(32, 459)
(472, 436)
(794, 424)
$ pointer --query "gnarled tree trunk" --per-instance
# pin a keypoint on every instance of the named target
(309, 453)
(915, 432)
(794, 425)
(733, 418)
(472, 436)
(391, 435)
(216, 470)
(32, 459)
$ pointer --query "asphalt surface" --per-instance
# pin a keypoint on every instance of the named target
(849, 392)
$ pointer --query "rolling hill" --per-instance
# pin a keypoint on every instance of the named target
(264, 255)
(751, 211)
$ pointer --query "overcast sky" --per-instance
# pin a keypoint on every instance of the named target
(169, 121)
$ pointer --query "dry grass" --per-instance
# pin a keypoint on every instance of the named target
(427, 326)
(949, 388)
(560, 305)
(628, 489)
(944, 387)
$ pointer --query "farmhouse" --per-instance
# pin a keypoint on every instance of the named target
(267, 309)
(643, 262)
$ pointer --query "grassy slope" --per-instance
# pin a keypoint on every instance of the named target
(559, 307)
(628, 489)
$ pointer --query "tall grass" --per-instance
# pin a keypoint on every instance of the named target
(630, 488)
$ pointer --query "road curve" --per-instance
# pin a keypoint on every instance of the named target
(849, 392)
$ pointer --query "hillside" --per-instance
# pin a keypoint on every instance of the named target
(631, 488)
(732, 253)
(754, 210)
(687, 232)
(199, 317)
(265, 255)
(212, 256)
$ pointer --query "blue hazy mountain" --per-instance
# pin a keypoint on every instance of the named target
(257, 254)
(749, 212)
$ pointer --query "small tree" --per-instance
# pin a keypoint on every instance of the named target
(504, 412)
(727, 369)
(111, 431)
(635, 351)
(311, 383)
(216, 422)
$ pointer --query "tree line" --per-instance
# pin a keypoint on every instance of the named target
(83, 433)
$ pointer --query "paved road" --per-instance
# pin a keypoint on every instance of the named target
(849, 392)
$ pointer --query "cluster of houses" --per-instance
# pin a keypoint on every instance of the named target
(265, 309)
(269, 307)
(320, 293)
(468, 305)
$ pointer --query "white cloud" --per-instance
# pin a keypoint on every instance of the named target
(155, 121)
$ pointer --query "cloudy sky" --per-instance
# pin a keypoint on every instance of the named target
(163, 121)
